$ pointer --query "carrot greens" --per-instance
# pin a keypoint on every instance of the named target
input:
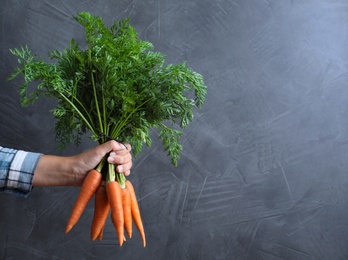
(116, 87)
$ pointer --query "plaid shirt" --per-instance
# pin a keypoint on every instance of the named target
(17, 170)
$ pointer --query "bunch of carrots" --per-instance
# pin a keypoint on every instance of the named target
(115, 194)
(116, 87)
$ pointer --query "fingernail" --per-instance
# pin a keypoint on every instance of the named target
(120, 168)
(111, 159)
(112, 154)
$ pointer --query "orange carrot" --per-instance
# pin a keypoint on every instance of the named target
(89, 187)
(100, 236)
(136, 212)
(114, 192)
(101, 211)
(127, 211)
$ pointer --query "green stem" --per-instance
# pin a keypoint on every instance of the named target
(106, 130)
(117, 129)
(95, 94)
(101, 164)
(121, 179)
(111, 173)
(79, 112)
(85, 110)
(115, 176)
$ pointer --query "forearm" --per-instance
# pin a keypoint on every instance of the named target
(55, 171)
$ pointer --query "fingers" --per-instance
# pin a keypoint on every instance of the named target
(127, 146)
(121, 156)
(112, 145)
(122, 159)
(124, 162)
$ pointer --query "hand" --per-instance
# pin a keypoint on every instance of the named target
(71, 171)
(119, 155)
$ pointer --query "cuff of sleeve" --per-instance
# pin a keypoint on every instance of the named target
(21, 172)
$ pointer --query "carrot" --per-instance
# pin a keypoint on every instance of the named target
(100, 236)
(114, 192)
(101, 211)
(88, 188)
(127, 211)
(136, 211)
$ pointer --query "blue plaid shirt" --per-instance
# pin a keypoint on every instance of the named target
(17, 170)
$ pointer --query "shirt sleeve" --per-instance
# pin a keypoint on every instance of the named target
(17, 169)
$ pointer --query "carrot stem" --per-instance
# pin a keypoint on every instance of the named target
(115, 176)
(111, 173)
(79, 112)
(101, 164)
(121, 179)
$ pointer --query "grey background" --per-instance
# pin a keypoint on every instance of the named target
(263, 174)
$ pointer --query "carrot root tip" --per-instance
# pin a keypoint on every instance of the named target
(68, 228)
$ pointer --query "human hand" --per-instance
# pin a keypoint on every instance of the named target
(72, 170)
(119, 155)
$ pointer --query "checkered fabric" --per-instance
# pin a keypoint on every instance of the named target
(17, 169)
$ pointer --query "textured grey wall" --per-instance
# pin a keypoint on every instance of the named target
(264, 169)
